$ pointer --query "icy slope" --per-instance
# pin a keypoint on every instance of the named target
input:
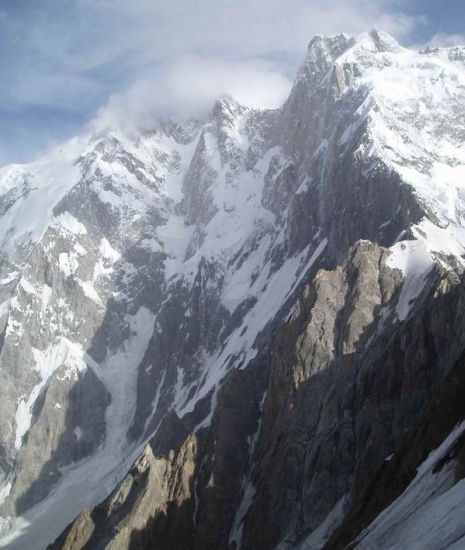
(428, 514)
(130, 238)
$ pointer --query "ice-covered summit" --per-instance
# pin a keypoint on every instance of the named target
(408, 104)
(324, 52)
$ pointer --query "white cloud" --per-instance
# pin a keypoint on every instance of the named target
(145, 57)
(185, 55)
(442, 40)
(189, 86)
(106, 43)
(241, 28)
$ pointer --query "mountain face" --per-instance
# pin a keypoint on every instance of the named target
(245, 331)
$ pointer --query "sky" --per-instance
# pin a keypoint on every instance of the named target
(64, 63)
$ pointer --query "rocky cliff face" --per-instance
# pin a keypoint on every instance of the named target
(219, 331)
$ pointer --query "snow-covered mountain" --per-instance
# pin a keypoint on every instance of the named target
(216, 333)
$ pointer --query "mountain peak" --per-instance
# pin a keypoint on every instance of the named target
(329, 48)
(323, 50)
(225, 102)
(226, 109)
(384, 41)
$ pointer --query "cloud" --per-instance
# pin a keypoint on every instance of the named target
(189, 86)
(187, 54)
(442, 40)
(144, 57)
(245, 28)
(107, 44)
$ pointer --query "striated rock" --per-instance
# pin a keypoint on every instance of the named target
(155, 501)
(337, 404)
(442, 416)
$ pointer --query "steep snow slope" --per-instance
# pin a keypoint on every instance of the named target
(119, 243)
(428, 513)
(137, 272)
(415, 498)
